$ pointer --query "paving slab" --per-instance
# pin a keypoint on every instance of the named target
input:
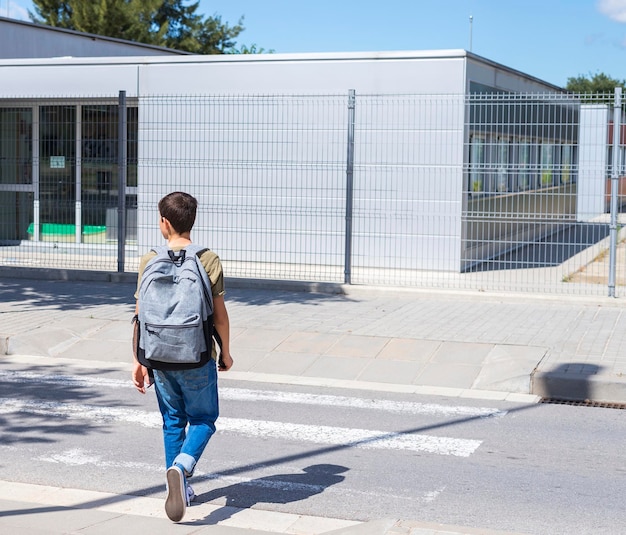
(311, 343)
(450, 375)
(19, 517)
(391, 371)
(337, 367)
(287, 363)
(509, 368)
(357, 346)
(409, 349)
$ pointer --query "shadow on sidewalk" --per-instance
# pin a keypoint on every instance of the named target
(261, 297)
(76, 295)
(66, 295)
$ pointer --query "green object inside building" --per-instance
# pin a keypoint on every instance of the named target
(63, 229)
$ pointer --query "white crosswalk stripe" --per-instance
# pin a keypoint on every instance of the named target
(243, 394)
(398, 430)
(356, 438)
(319, 434)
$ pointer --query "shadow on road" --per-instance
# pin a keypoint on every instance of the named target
(319, 476)
(281, 488)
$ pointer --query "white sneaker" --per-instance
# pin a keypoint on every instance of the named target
(191, 495)
(176, 501)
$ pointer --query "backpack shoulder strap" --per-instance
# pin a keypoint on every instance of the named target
(192, 248)
(159, 250)
(196, 251)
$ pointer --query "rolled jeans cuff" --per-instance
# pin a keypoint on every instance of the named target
(187, 462)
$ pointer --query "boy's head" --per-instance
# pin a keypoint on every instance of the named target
(180, 210)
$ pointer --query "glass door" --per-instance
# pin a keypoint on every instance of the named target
(57, 173)
(100, 173)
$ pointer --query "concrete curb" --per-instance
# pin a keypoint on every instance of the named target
(53, 274)
(561, 385)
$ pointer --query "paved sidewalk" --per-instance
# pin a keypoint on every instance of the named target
(518, 348)
(456, 343)
(37, 510)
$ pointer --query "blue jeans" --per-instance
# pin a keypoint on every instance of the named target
(187, 397)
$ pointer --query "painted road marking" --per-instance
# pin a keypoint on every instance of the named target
(243, 394)
(328, 435)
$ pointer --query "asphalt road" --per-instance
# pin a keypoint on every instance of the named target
(348, 454)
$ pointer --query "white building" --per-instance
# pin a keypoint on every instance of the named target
(459, 158)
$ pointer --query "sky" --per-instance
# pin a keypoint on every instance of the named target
(550, 39)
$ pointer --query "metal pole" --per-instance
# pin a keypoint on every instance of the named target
(471, 26)
(349, 187)
(121, 185)
(78, 173)
(37, 234)
(617, 117)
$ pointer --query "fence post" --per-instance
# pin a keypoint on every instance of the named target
(349, 187)
(617, 117)
(121, 185)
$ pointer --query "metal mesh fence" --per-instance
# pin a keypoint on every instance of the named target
(268, 172)
(538, 191)
(498, 192)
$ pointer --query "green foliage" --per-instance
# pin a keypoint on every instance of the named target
(216, 37)
(252, 49)
(53, 13)
(598, 83)
(177, 25)
(169, 23)
(115, 18)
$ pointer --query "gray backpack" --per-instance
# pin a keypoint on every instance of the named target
(175, 311)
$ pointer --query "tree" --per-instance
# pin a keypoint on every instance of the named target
(170, 23)
(252, 49)
(598, 83)
(53, 13)
(123, 19)
(216, 37)
(178, 25)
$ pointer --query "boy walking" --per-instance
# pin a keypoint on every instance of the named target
(186, 393)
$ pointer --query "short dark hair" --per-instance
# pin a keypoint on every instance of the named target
(179, 209)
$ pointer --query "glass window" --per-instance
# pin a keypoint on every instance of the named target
(566, 164)
(477, 158)
(16, 148)
(503, 165)
(524, 166)
(546, 165)
(16, 170)
(100, 170)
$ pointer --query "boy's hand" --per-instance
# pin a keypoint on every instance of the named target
(225, 362)
(140, 377)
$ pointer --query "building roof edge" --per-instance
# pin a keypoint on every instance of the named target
(92, 36)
